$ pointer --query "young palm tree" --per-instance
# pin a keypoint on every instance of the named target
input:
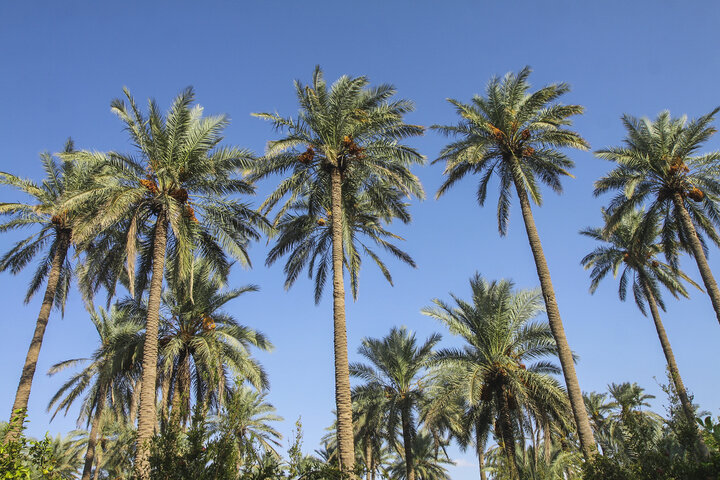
(202, 347)
(53, 239)
(427, 463)
(167, 201)
(344, 159)
(397, 364)
(104, 377)
(516, 134)
(489, 373)
(247, 419)
(631, 247)
(659, 165)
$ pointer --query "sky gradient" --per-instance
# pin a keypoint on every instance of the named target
(63, 62)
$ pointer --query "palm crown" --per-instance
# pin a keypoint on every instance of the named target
(632, 248)
(47, 213)
(659, 160)
(514, 134)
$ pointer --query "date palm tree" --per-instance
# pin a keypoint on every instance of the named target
(660, 166)
(105, 376)
(489, 372)
(164, 203)
(516, 134)
(53, 239)
(397, 365)
(202, 347)
(632, 247)
(342, 152)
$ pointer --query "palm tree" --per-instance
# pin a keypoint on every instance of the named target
(202, 347)
(427, 463)
(516, 134)
(631, 247)
(167, 201)
(369, 420)
(397, 364)
(659, 164)
(490, 373)
(345, 160)
(53, 239)
(103, 379)
(246, 418)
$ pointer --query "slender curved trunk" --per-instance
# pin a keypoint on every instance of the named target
(673, 368)
(585, 434)
(147, 421)
(699, 254)
(480, 450)
(407, 443)
(343, 401)
(94, 429)
(28, 372)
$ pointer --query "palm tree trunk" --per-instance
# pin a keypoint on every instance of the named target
(28, 372)
(342, 371)
(181, 395)
(699, 254)
(92, 439)
(587, 440)
(147, 421)
(407, 443)
(480, 449)
(368, 457)
(508, 438)
(547, 440)
(673, 368)
(98, 461)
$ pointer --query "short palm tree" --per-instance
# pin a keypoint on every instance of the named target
(428, 464)
(247, 418)
(632, 247)
(490, 372)
(53, 239)
(165, 203)
(516, 134)
(659, 166)
(105, 376)
(344, 159)
(202, 347)
(397, 368)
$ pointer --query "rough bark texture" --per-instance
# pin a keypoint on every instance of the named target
(147, 420)
(181, 395)
(368, 458)
(585, 434)
(92, 439)
(407, 443)
(343, 401)
(508, 437)
(98, 462)
(28, 372)
(547, 440)
(697, 250)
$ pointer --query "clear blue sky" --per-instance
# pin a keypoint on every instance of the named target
(62, 63)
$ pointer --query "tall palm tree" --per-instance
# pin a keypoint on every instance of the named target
(659, 165)
(516, 134)
(168, 200)
(342, 152)
(631, 247)
(397, 365)
(102, 380)
(53, 239)
(490, 372)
